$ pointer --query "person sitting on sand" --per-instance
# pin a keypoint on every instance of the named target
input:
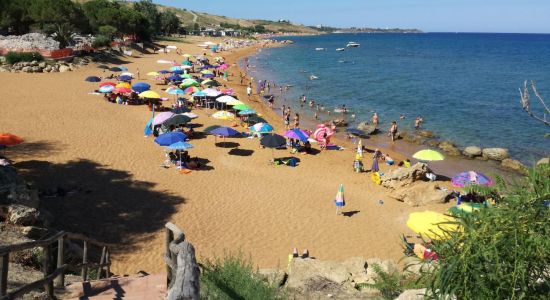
(389, 160)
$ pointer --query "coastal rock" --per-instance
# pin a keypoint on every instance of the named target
(13, 190)
(340, 122)
(401, 177)
(367, 128)
(26, 69)
(421, 194)
(432, 143)
(449, 148)
(426, 134)
(22, 215)
(543, 161)
(412, 295)
(514, 165)
(42, 65)
(472, 151)
(495, 153)
(412, 137)
(64, 68)
(33, 232)
(273, 277)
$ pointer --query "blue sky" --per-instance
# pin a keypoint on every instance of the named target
(429, 15)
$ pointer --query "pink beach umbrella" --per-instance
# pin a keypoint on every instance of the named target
(161, 117)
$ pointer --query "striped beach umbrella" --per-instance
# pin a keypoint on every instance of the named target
(340, 200)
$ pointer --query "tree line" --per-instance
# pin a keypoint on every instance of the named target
(99, 17)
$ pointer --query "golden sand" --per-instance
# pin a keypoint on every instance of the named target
(74, 139)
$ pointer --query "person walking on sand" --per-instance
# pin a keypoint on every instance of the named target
(377, 154)
(375, 119)
(393, 131)
(249, 91)
(287, 121)
(296, 120)
(137, 73)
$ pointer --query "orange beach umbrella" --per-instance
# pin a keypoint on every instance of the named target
(8, 139)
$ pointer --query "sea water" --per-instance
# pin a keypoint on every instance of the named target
(464, 85)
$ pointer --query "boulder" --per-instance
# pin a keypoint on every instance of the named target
(273, 277)
(495, 153)
(64, 68)
(36, 69)
(421, 194)
(426, 133)
(33, 232)
(449, 148)
(472, 151)
(13, 190)
(432, 143)
(42, 65)
(543, 161)
(401, 177)
(26, 69)
(514, 165)
(340, 122)
(367, 128)
(412, 295)
(47, 69)
(23, 215)
(412, 137)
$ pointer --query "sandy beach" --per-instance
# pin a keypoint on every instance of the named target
(79, 141)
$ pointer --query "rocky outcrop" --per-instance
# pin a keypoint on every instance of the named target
(472, 151)
(367, 128)
(514, 165)
(13, 190)
(412, 295)
(449, 148)
(273, 277)
(420, 194)
(22, 215)
(47, 67)
(495, 153)
(29, 41)
(401, 177)
(543, 161)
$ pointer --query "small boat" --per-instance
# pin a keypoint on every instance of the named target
(353, 45)
(313, 77)
(341, 49)
(319, 49)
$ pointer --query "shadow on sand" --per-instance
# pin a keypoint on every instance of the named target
(102, 203)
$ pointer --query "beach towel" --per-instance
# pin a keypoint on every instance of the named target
(185, 171)
(334, 147)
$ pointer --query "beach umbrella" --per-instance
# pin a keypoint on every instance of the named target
(224, 131)
(141, 87)
(360, 149)
(223, 115)
(199, 94)
(254, 120)
(176, 120)
(127, 74)
(228, 91)
(187, 55)
(153, 74)
(211, 83)
(192, 89)
(175, 68)
(234, 102)
(125, 78)
(428, 155)
(206, 71)
(208, 129)
(432, 225)
(178, 72)
(186, 63)
(104, 67)
(175, 91)
(212, 93)
(189, 82)
(174, 78)
(163, 61)
(223, 66)
(471, 178)
(186, 76)
(123, 68)
(115, 69)
(225, 99)
(170, 138)
(339, 200)
(261, 128)
(8, 139)
(164, 72)
(186, 67)
(149, 95)
(162, 117)
(180, 146)
(92, 79)
(208, 76)
(464, 208)
(190, 115)
(297, 134)
(106, 89)
(123, 85)
(241, 107)
(180, 110)
(107, 83)
(247, 112)
(273, 141)
(122, 90)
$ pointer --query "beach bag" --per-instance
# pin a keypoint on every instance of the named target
(292, 162)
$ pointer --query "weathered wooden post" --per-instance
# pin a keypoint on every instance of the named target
(85, 262)
(186, 284)
(4, 264)
(60, 280)
(46, 269)
(101, 262)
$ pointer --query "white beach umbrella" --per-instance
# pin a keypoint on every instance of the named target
(225, 99)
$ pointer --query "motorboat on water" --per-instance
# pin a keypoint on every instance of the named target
(319, 49)
(341, 49)
(313, 77)
(353, 45)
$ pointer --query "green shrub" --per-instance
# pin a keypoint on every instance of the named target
(101, 41)
(233, 277)
(15, 57)
(392, 283)
(503, 252)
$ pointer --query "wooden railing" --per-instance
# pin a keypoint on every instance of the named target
(51, 275)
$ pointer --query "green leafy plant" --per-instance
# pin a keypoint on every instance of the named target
(101, 41)
(501, 252)
(233, 277)
(14, 57)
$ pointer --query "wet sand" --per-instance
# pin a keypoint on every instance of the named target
(240, 203)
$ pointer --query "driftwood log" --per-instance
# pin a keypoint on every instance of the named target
(183, 270)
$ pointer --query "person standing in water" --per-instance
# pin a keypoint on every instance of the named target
(393, 130)
(375, 119)
(296, 120)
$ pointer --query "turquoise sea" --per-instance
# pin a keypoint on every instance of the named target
(464, 85)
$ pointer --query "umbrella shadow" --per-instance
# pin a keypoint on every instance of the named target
(351, 213)
(240, 152)
(194, 125)
(203, 162)
(198, 136)
(227, 144)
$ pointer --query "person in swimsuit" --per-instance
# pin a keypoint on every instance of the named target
(393, 130)
(296, 120)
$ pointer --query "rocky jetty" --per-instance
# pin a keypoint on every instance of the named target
(472, 151)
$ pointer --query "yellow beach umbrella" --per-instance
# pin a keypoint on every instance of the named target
(428, 224)
(206, 72)
(153, 74)
(187, 55)
(428, 155)
(123, 85)
(150, 95)
(223, 115)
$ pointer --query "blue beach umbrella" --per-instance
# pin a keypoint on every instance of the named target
(261, 128)
(174, 78)
(148, 130)
(199, 94)
(123, 68)
(170, 138)
(106, 89)
(224, 131)
(180, 146)
(186, 63)
(208, 76)
(176, 91)
(175, 68)
(92, 79)
(179, 72)
(163, 71)
(125, 78)
(247, 112)
(141, 87)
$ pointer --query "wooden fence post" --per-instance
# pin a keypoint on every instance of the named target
(60, 280)
(4, 264)
(108, 262)
(84, 262)
(101, 262)
(46, 269)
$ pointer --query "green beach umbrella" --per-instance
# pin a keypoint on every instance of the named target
(428, 155)
(186, 76)
(241, 107)
(206, 72)
(189, 82)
